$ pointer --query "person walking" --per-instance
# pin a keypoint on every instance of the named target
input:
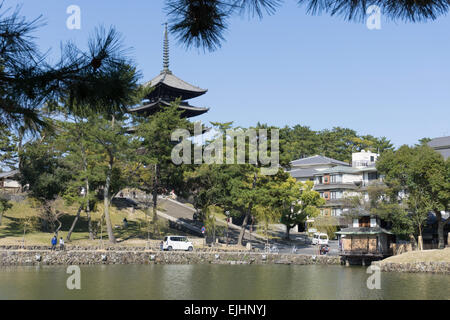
(61, 244)
(54, 240)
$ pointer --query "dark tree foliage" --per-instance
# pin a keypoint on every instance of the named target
(100, 77)
(198, 23)
(202, 23)
(338, 143)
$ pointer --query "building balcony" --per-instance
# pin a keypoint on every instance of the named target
(335, 185)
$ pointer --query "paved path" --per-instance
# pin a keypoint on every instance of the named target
(184, 214)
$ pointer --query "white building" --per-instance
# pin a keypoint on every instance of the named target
(336, 180)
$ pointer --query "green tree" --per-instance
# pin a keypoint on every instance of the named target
(157, 171)
(202, 23)
(101, 78)
(8, 148)
(84, 157)
(297, 142)
(296, 201)
(43, 168)
(423, 177)
(5, 205)
(116, 150)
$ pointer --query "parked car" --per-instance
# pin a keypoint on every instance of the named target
(177, 243)
(320, 238)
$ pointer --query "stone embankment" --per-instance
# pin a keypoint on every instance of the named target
(127, 255)
(414, 267)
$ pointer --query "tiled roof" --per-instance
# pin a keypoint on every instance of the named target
(340, 169)
(173, 81)
(375, 230)
(440, 142)
(441, 145)
(318, 160)
(303, 173)
(8, 174)
(153, 107)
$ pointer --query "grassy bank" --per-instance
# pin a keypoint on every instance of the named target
(421, 256)
(12, 228)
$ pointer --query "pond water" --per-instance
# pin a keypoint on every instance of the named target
(203, 282)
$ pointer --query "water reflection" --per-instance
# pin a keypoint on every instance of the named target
(236, 282)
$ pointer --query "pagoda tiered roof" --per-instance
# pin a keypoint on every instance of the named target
(155, 106)
(167, 88)
(166, 84)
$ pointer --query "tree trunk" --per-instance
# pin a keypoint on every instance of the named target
(155, 205)
(247, 216)
(441, 225)
(106, 201)
(413, 242)
(288, 232)
(88, 213)
(72, 227)
(155, 193)
(1, 217)
(59, 227)
(420, 243)
(244, 226)
(420, 239)
(88, 205)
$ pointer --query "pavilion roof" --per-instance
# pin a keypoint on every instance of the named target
(363, 230)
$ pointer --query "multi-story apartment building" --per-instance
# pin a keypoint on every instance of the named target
(337, 180)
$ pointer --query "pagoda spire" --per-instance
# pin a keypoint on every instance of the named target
(166, 51)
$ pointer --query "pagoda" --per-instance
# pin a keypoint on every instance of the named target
(167, 88)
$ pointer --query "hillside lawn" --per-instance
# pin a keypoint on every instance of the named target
(437, 255)
(11, 230)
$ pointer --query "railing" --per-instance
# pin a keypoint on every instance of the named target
(362, 163)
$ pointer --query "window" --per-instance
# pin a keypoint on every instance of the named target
(336, 194)
(373, 222)
(337, 178)
(319, 180)
(372, 175)
(355, 223)
(372, 158)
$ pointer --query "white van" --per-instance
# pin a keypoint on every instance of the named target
(177, 243)
(320, 238)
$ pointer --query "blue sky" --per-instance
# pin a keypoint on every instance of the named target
(290, 68)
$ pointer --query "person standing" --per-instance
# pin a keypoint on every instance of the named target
(61, 244)
(54, 240)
